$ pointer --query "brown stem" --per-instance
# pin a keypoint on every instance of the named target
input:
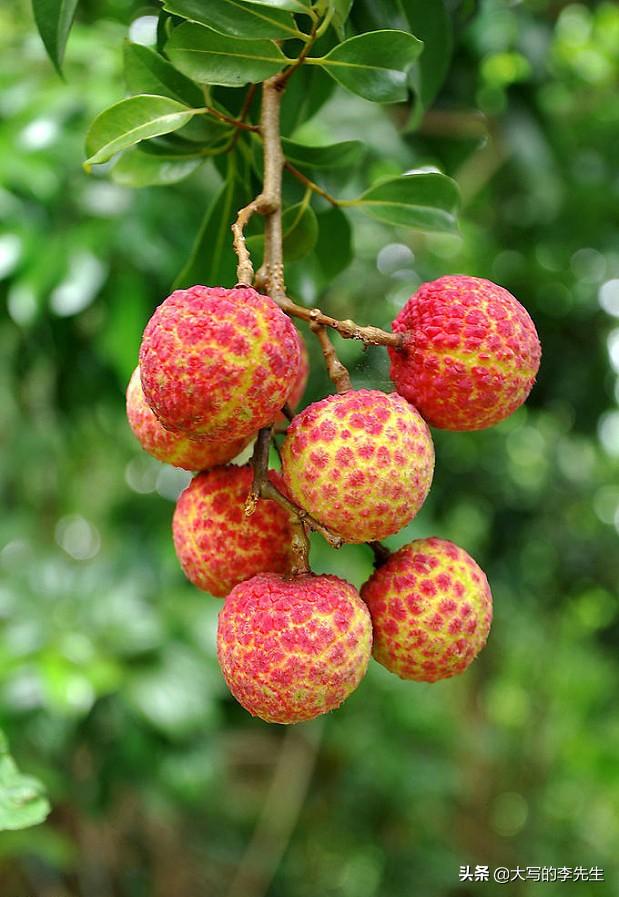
(336, 370)
(262, 487)
(371, 336)
(381, 553)
(309, 183)
(235, 122)
(273, 266)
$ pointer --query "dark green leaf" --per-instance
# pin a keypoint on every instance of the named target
(424, 200)
(335, 155)
(341, 11)
(300, 229)
(305, 94)
(372, 15)
(22, 798)
(54, 19)
(148, 72)
(374, 65)
(130, 121)
(136, 168)
(212, 58)
(432, 25)
(333, 250)
(212, 260)
(236, 18)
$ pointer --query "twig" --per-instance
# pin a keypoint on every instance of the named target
(235, 122)
(371, 336)
(272, 272)
(262, 487)
(309, 183)
(336, 370)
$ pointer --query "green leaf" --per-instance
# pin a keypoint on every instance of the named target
(212, 259)
(300, 229)
(431, 22)
(54, 19)
(211, 58)
(148, 72)
(333, 250)
(292, 5)
(374, 65)
(236, 18)
(22, 798)
(425, 200)
(136, 168)
(341, 10)
(130, 121)
(334, 155)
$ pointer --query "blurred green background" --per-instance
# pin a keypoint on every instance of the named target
(109, 690)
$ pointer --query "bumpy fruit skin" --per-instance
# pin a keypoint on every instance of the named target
(360, 462)
(431, 610)
(173, 448)
(293, 648)
(471, 353)
(217, 545)
(218, 363)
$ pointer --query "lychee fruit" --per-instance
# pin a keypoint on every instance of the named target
(217, 544)
(174, 448)
(293, 648)
(360, 462)
(470, 356)
(431, 610)
(218, 363)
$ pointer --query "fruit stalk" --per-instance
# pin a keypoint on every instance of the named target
(300, 520)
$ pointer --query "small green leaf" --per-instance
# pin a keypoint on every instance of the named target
(236, 18)
(211, 58)
(292, 5)
(374, 65)
(22, 798)
(54, 19)
(148, 72)
(424, 200)
(136, 168)
(300, 229)
(130, 121)
(212, 258)
(334, 155)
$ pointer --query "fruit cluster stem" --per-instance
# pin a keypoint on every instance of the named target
(337, 371)
(300, 520)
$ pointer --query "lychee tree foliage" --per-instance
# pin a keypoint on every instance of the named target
(221, 365)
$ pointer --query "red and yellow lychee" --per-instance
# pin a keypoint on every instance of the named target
(174, 448)
(217, 544)
(361, 462)
(471, 353)
(218, 363)
(293, 648)
(431, 610)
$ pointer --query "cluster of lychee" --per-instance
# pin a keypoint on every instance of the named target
(216, 365)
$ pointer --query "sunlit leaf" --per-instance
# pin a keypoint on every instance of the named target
(236, 18)
(374, 65)
(22, 798)
(424, 200)
(130, 121)
(212, 58)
